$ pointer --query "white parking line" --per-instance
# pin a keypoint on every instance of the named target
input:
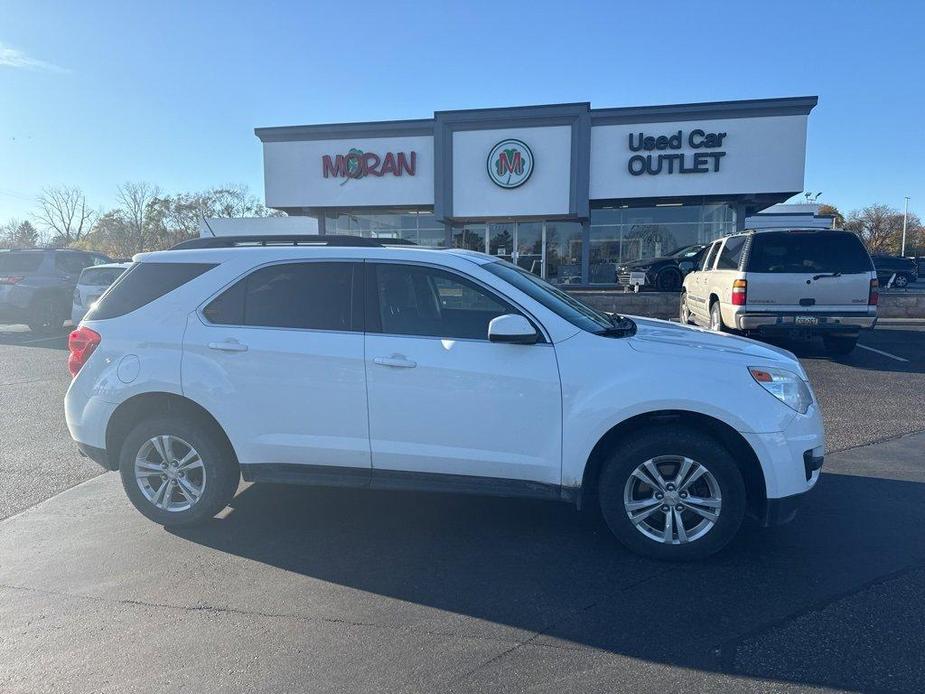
(41, 339)
(886, 354)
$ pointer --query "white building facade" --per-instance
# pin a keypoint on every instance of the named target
(564, 190)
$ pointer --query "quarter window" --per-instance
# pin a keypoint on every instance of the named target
(415, 300)
(731, 254)
(310, 296)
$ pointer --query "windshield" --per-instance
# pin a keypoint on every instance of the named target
(685, 251)
(568, 307)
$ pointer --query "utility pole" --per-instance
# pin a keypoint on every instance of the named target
(905, 217)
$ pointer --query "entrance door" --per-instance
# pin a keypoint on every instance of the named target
(521, 243)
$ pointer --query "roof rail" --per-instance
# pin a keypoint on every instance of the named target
(288, 240)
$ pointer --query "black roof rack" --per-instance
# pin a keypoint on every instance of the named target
(289, 240)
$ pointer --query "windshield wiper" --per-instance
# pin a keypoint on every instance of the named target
(620, 327)
(819, 277)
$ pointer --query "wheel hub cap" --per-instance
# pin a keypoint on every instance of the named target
(170, 473)
(672, 499)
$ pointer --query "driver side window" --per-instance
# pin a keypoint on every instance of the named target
(427, 302)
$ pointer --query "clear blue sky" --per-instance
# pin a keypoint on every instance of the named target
(97, 93)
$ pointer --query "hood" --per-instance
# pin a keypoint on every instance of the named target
(673, 339)
(647, 262)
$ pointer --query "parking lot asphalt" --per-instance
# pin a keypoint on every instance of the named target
(343, 590)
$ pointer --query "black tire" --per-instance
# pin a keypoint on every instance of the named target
(902, 281)
(221, 470)
(668, 280)
(666, 440)
(46, 316)
(684, 312)
(839, 345)
(716, 318)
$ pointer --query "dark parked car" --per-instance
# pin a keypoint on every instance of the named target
(905, 269)
(664, 273)
(37, 285)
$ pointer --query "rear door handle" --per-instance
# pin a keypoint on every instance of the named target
(228, 346)
(395, 360)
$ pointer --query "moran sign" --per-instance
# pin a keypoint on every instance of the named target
(358, 164)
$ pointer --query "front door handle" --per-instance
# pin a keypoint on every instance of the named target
(395, 360)
(228, 346)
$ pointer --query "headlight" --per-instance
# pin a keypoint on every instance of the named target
(784, 385)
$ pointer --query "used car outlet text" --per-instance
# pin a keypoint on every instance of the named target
(680, 162)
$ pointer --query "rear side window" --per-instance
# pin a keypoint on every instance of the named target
(72, 263)
(100, 277)
(308, 296)
(808, 252)
(20, 262)
(141, 284)
(731, 254)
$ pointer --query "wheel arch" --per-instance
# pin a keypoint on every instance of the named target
(732, 440)
(144, 405)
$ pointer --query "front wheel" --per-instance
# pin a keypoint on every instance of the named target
(684, 313)
(716, 318)
(672, 494)
(901, 281)
(839, 345)
(177, 472)
(668, 280)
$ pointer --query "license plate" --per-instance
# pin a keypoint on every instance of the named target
(806, 320)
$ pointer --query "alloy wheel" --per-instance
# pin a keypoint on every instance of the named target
(170, 473)
(672, 499)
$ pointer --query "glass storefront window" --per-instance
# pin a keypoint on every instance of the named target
(563, 252)
(626, 234)
(421, 227)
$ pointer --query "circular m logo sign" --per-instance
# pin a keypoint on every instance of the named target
(510, 163)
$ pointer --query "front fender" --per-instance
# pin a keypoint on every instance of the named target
(606, 382)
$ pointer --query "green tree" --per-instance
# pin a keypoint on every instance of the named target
(839, 218)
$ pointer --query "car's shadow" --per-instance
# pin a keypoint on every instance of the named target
(543, 567)
(861, 358)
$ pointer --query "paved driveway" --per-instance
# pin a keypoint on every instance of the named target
(343, 590)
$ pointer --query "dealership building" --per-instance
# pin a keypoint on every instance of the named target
(565, 190)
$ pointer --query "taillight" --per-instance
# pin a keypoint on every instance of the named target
(873, 297)
(81, 343)
(739, 292)
(11, 279)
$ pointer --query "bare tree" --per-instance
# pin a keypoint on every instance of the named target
(65, 214)
(880, 227)
(135, 202)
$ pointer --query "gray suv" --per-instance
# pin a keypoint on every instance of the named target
(37, 285)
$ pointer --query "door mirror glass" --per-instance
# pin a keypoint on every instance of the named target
(512, 329)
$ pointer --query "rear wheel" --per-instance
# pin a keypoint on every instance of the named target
(46, 316)
(177, 472)
(672, 494)
(901, 281)
(839, 345)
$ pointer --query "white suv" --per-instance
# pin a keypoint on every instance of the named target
(794, 282)
(344, 362)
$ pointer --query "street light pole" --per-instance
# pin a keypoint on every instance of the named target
(905, 217)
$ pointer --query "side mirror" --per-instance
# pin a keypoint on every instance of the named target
(513, 330)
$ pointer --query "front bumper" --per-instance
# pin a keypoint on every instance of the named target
(97, 455)
(788, 322)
